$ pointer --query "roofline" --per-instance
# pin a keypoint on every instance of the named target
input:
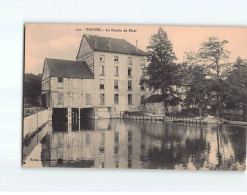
(67, 60)
(70, 77)
(84, 35)
(97, 50)
(62, 59)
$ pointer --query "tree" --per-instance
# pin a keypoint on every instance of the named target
(213, 55)
(238, 85)
(162, 72)
(212, 58)
(199, 91)
(32, 87)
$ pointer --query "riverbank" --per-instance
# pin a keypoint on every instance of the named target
(176, 119)
(35, 121)
(235, 122)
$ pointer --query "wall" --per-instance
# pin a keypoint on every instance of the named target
(155, 108)
(109, 77)
(45, 78)
(86, 54)
(72, 93)
(33, 122)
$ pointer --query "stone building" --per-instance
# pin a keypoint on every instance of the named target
(117, 66)
(154, 105)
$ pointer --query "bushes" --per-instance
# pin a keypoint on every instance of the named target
(191, 112)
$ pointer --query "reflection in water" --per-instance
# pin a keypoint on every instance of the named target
(119, 143)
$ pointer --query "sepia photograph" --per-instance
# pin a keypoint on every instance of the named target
(134, 97)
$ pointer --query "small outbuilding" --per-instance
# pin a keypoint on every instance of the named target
(154, 104)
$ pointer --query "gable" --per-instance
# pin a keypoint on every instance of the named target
(84, 49)
(45, 72)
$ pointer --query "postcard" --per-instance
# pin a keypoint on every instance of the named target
(135, 97)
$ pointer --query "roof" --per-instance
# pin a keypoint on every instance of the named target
(154, 99)
(68, 69)
(117, 45)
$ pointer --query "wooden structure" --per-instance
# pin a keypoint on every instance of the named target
(67, 84)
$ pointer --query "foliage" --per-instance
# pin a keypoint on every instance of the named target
(237, 80)
(161, 48)
(199, 91)
(162, 73)
(213, 55)
(32, 87)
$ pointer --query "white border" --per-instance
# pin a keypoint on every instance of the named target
(13, 15)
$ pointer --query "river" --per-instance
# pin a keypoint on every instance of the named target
(124, 143)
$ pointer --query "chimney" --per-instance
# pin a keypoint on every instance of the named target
(95, 42)
(110, 43)
(136, 45)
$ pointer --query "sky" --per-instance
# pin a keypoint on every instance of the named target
(62, 41)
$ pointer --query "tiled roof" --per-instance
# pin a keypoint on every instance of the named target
(117, 45)
(154, 99)
(69, 69)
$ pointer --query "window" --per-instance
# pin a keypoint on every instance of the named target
(130, 60)
(116, 59)
(102, 99)
(102, 70)
(129, 72)
(129, 99)
(129, 85)
(60, 80)
(116, 98)
(60, 99)
(88, 99)
(115, 84)
(102, 84)
(116, 71)
(102, 58)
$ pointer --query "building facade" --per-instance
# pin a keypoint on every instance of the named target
(67, 84)
(117, 66)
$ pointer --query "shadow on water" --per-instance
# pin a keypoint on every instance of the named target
(123, 143)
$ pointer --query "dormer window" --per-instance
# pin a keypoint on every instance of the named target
(116, 59)
(60, 79)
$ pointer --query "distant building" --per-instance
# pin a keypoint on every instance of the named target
(117, 66)
(154, 102)
(67, 84)
(154, 105)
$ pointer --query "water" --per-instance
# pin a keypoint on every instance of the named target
(123, 143)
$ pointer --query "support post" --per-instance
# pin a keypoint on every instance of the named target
(79, 118)
(69, 118)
